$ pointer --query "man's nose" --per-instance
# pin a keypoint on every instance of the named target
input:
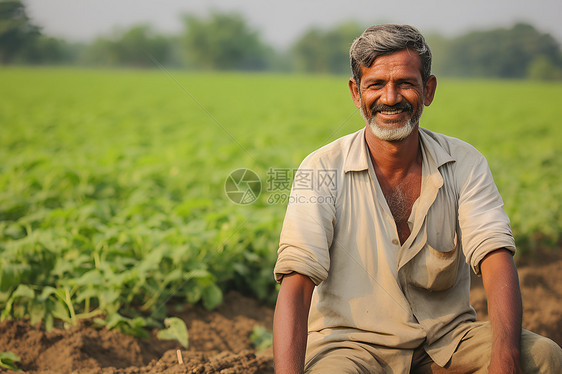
(390, 95)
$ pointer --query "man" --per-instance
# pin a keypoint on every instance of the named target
(374, 261)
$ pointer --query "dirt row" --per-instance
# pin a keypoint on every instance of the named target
(220, 340)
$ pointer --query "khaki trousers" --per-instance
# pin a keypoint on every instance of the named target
(538, 355)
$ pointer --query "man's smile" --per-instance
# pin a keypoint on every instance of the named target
(391, 110)
(395, 111)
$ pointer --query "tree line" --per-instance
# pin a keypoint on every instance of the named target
(225, 41)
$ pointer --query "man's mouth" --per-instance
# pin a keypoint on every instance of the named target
(390, 110)
(393, 111)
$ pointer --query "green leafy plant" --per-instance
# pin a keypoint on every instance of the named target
(8, 360)
(175, 330)
(261, 338)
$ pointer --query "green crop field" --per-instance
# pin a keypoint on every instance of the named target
(112, 182)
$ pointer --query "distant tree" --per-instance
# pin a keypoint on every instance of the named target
(504, 53)
(439, 46)
(16, 30)
(136, 46)
(139, 44)
(340, 39)
(325, 51)
(101, 51)
(48, 50)
(310, 52)
(225, 42)
(307, 52)
(542, 68)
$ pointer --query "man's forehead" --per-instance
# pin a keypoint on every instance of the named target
(405, 59)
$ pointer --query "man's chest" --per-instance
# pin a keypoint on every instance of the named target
(421, 213)
(400, 198)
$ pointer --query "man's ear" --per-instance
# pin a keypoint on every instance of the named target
(354, 89)
(429, 90)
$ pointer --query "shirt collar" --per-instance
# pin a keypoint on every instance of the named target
(439, 154)
(356, 159)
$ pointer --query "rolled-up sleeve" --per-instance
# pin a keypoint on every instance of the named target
(484, 225)
(308, 227)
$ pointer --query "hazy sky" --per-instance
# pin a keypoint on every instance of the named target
(281, 22)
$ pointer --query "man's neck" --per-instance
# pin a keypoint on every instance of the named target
(394, 159)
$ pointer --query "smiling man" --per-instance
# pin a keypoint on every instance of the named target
(374, 262)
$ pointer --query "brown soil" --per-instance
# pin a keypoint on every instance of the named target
(219, 340)
(541, 291)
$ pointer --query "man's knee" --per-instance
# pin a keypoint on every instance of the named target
(354, 357)
(341, 361)
(540, 354)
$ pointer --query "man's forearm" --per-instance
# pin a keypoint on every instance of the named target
(504, 309)
(290, 327)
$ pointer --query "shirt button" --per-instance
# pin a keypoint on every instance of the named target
(395, 241)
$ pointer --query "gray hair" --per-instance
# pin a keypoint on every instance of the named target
(381, 40)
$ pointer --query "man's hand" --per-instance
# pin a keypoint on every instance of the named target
(290, 323)
(501, 284)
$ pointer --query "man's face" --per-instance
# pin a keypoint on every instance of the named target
(392, 95)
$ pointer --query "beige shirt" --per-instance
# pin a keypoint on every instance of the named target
(339, 231)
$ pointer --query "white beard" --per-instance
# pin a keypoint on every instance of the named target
(392, 135)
